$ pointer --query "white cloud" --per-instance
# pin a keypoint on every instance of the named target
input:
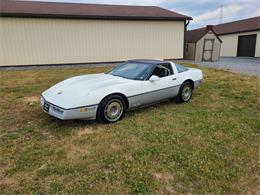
(229, 11)
(213, 16)
(146, 2)
(255, 13)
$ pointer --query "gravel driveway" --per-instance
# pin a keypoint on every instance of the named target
(249, 66)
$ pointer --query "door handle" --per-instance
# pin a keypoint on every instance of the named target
(174, 79)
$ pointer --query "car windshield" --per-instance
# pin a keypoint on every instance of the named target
(132, 70)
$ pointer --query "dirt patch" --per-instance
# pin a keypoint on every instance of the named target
(9, 183)
(166, 179)
(31, 99)
(129, 157)
(6, 181)
(76, 151)
(164, 176)
(83, 131)
(115, 147)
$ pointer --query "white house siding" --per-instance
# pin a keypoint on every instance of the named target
(30, 41)
(230, 42)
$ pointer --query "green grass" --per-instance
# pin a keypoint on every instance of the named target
(210, 144)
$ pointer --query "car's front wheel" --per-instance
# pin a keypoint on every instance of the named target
(185, 92)
(111, 109)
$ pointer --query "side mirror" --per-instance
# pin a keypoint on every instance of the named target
(154, 78)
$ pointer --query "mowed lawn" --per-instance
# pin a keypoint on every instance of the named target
(210, 144)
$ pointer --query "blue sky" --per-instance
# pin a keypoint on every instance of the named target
(203, 12)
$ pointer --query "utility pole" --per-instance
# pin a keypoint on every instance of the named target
(221, 14)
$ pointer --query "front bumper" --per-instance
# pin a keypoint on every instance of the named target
(197, 83)
(84, 112)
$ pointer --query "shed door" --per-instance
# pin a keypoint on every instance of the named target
(208, 49)
(246, 46)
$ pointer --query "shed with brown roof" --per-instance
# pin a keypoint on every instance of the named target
(65, 33)
(202, 44)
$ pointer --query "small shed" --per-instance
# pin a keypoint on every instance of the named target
(202, 45)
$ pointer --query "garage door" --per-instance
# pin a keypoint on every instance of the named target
(246, 46)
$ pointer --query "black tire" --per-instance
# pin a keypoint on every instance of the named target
(181, 98)
(104, 112)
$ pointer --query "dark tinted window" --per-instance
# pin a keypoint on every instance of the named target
(163, 70)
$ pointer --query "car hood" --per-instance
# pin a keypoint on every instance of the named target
(68, 93)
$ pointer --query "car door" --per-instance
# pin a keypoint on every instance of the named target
(163, 88)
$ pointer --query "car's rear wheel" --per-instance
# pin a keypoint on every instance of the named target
(185, 93)
(111, 109)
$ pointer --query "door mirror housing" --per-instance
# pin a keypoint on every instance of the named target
(154, 78)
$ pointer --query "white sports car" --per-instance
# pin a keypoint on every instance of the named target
(132, 84)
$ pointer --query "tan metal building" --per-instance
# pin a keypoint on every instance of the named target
(239, 38)
(202, 45)
(245, 44)
(34, 33)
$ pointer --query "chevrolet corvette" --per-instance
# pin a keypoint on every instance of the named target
(132, 84)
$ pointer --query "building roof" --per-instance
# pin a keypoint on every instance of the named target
(192, 36)
(246, 25)
(88, 11)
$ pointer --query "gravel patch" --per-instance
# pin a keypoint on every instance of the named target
(248, 66)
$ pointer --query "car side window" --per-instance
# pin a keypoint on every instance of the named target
(180, 68)
(163, 70)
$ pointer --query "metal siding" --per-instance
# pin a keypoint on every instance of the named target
(29, 41)
(190, 54)
(230, 42)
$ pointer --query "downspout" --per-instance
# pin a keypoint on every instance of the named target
(186, 23)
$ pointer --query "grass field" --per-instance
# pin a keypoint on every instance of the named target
(210, 144)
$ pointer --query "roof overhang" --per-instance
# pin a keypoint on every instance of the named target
(237, 32)
(34, 9)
